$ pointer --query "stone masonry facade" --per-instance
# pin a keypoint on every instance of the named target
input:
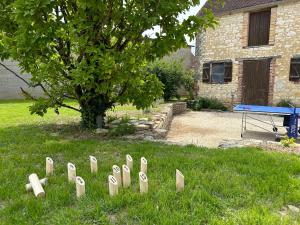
(229, 41)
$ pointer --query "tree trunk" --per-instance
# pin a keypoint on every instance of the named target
(93, 112)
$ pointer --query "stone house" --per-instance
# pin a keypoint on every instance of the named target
(253, 55)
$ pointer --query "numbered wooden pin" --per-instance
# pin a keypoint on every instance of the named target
(43, 182)
(36, 185)
(94, 165)
(179, 181)
(129, 162)
(71, 172)
(80, 187)
(112, 185)
(143, 182)
(117, 174)
(144, 165)
(126, 176)
(49, 166)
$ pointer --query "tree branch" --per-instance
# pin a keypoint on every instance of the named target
(14, 73)
(27, 95)
(69, 107)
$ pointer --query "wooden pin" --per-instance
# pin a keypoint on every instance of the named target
(49, 166)
(112, 185)
(36, 185)
(126, 176)
(71, 172)
(143, 182)
(117, 174)
(129, 162)
(144, 165)
(179, 181)
(80, 187)
(94, 165)
(43, 182)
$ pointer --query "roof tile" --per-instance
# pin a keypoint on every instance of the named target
(230, 5)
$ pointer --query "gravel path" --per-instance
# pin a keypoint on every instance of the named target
(210, 128)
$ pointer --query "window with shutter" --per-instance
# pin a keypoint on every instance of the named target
(228, 72)
(295, 69)
(259, 28)
(206, 73)
(217, 73)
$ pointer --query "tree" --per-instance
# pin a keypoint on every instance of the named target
(174, 77)
(93, 51)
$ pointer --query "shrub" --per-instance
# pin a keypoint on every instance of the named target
(285, 103)
(123, 128)
(288, 142)
(206, 103)
(110, 118)
(173, 76)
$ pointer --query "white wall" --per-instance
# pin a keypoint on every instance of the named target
(10, 84)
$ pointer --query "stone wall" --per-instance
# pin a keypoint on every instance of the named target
(229, 42)
(157, 127)
(10, 85)
(164, 118)
(179, 107)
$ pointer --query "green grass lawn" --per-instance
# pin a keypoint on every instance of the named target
(236, 186)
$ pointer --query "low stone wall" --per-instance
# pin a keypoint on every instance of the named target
(163, 119)
(158, 126)
(179, 107)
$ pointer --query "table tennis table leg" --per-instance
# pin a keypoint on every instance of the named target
(245, 127)
(242, 128)
(275, 129)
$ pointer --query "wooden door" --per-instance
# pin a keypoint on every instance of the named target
(256, 79)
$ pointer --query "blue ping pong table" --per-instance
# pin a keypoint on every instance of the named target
(291, 116)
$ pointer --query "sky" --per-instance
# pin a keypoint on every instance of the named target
(192, 11)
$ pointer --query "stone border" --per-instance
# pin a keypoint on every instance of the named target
(266, 145)
(164, 119)
(158, 127)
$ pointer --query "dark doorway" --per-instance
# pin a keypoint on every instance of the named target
(256, 79)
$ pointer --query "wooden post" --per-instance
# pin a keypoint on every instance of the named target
(71, 172)
(49, 166)
(36, 185)
(80, 187)
(129, 162)
(43, 182)
(144, 165)
(94, 165)
(126, 176)
(143, 182)
(112, 185)
(179, 181)
(117, 174)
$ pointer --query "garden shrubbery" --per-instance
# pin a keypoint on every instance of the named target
(123, 128)
(206, 103)
(285, 103)
(174, 77)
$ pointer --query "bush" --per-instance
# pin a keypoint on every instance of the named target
(206, 103)
(123, 128)
(285, 103)
(174, 77)
(288, 142)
